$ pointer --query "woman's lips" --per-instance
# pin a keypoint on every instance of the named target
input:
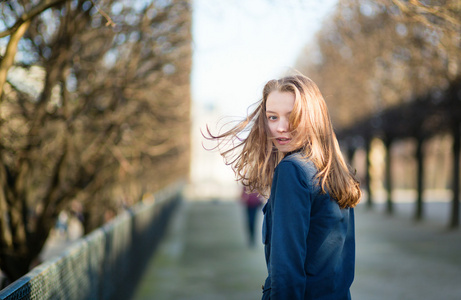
(283, 141)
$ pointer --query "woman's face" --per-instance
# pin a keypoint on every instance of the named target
(278, 109)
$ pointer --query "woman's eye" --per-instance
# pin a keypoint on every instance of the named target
(272, 118)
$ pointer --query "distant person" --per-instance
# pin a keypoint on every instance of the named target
(62, 224)
(252, 203)
(308, 230)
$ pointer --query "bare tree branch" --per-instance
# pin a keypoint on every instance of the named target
(106, 16)
(41, 7)
(7, 61)
(418, 11)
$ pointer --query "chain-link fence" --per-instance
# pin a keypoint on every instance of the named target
(105, 264)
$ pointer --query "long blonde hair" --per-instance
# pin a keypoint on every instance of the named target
(254, 157)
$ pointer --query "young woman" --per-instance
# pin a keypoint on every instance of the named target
(308, 230)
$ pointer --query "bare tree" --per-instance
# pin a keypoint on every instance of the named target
(375, 56)
(105, 120)
(440, 15)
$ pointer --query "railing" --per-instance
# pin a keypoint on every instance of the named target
(107, 263)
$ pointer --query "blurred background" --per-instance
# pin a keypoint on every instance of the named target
(103, 103)
(237, 47)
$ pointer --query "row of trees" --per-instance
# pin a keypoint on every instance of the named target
(94, 108)
(373, 55)
(392, 70)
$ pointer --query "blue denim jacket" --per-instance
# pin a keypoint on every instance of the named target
(309, 241)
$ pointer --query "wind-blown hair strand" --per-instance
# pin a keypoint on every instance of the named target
(253, 158)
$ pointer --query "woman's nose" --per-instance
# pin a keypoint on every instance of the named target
(283, 125)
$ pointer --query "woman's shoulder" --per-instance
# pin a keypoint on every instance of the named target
(296, 162)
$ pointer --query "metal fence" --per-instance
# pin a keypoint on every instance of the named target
(107, 263)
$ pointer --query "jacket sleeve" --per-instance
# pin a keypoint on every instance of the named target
(290, 226)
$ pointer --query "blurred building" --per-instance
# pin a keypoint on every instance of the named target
(210, 178)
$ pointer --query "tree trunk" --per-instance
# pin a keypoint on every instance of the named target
(14, 266)
(419, 180)
(454, 221)
(367, 174)
(388, 176)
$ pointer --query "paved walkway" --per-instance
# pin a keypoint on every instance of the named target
(400, 259)
(204, 256)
